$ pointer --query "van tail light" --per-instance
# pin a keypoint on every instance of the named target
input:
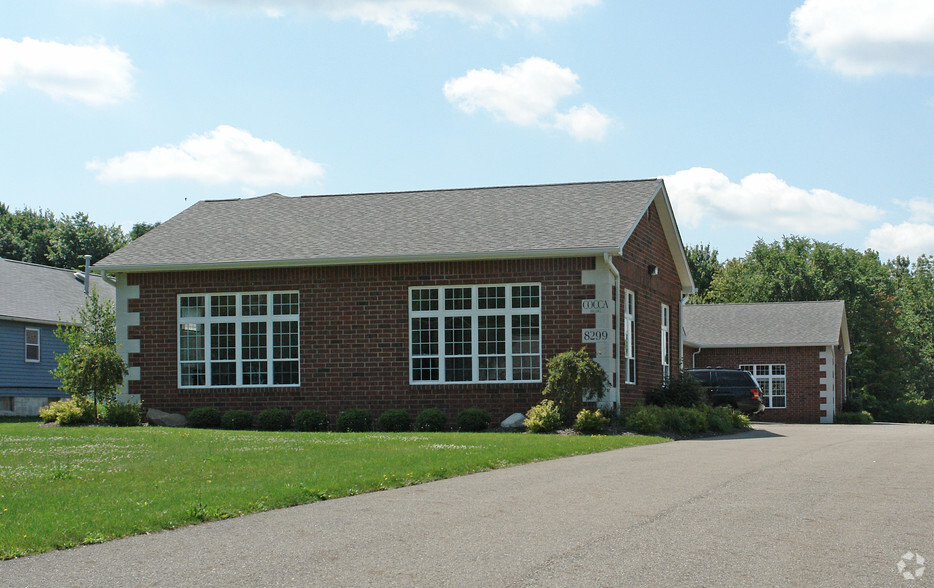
(755, 393)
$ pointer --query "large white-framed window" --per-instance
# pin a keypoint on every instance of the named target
(771, 378)
(242, 339)
(629, 334)
(33, 348)
(666, 342)
(469, 334)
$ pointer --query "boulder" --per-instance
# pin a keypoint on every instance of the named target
(165, 419)
(514, 421)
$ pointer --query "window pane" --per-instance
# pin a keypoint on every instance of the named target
(254, 305)
(254, 373)
(224, 305)
(191, 306)
(223, 341)
(224, 373)
(192, 374)
(284, 304)
(457, 299)
(191, 342)
(525, 296)
(457, 335)
(491, 297)
(525, 333)
(491, 335)
(253, 347)
(285, 340)
(424, 299)
(526, 367)
(285, 373)
(425, 336)
(458, 369)
(493, 368)
(32, 337)
(425, 369)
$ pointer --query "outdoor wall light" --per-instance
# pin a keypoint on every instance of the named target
(653, 270)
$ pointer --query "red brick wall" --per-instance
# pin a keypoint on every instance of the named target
(802, 377)
(354, 335)
(647, 246)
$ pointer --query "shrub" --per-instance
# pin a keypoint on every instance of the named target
(683, 420)
(473, 419)
(274, 419)
(68, 412)
(684, 390)
(237, 420)
(431, 420)
(311, 420)
(544, 417)
(647, 420)
(740, 420)
(122, 415)
(206, 417)
(395, 420)
(572, 377)
(853, 418)
(720, 419)
(354, 420)
(590, 422)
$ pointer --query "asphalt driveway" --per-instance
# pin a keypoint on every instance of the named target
(787, 505)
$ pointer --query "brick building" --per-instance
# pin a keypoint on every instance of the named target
(796, 351)
(450, 298)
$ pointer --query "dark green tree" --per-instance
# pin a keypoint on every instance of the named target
(76, 235)
(574, 376)
(25, 235)
(704, 266)
(140, 229)
(798, 269)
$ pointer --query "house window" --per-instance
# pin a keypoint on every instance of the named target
(629, 332)
(238, 339)
(6, 403)
(32, 345)
(666, 342)
(461, 334)
(771, 378)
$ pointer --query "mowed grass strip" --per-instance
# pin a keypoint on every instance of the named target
(63, 487)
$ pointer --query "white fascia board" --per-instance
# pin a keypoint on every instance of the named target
(23, 319)
(672, 236)
(755, 345)
(327, 261)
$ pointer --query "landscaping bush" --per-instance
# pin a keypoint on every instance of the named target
(311, 420)
(720, 419)
(206, 417)
(684, 421)
(572, 377)
(395, 420)
(237, 420)
(68, 412)
(274, 419)
(122, 415)
(473, 419)
(590, 422)
(354, 420)
(853, 418)
(647, 420)
(740, 420)
(544, 417)
(431, 420)
(684, 390)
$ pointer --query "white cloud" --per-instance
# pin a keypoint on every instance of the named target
(867, 37)
(224, 155)
(527, 94)
(907, 239)
(95, 74)
(400, 16)
(921, 210)
(762, 201)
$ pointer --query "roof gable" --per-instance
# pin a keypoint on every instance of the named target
(43, 294)
(768, 324)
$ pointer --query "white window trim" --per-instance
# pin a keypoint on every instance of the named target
(37, 345)
(474, 312)
(666, 341)
(629, 321)
(269, 318)
(767, 396)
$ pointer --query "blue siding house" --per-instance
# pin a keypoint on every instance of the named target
(34, 300)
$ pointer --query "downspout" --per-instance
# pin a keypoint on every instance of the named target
(87, 275)
(694, 357)
(681, 330)
(608, 259)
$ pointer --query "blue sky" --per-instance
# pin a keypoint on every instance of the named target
(812, 118)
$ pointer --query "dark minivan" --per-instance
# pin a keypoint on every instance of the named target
(735, 388)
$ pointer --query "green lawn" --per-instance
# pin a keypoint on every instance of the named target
(62, 487)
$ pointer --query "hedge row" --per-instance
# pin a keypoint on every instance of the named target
(350, 420)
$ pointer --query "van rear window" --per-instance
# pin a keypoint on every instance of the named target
(736, 379)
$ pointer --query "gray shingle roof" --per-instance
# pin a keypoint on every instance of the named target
(439, 224)
(770, 324)
(30, 292)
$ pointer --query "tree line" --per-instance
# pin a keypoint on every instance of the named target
(889, 312)
(38, 236)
